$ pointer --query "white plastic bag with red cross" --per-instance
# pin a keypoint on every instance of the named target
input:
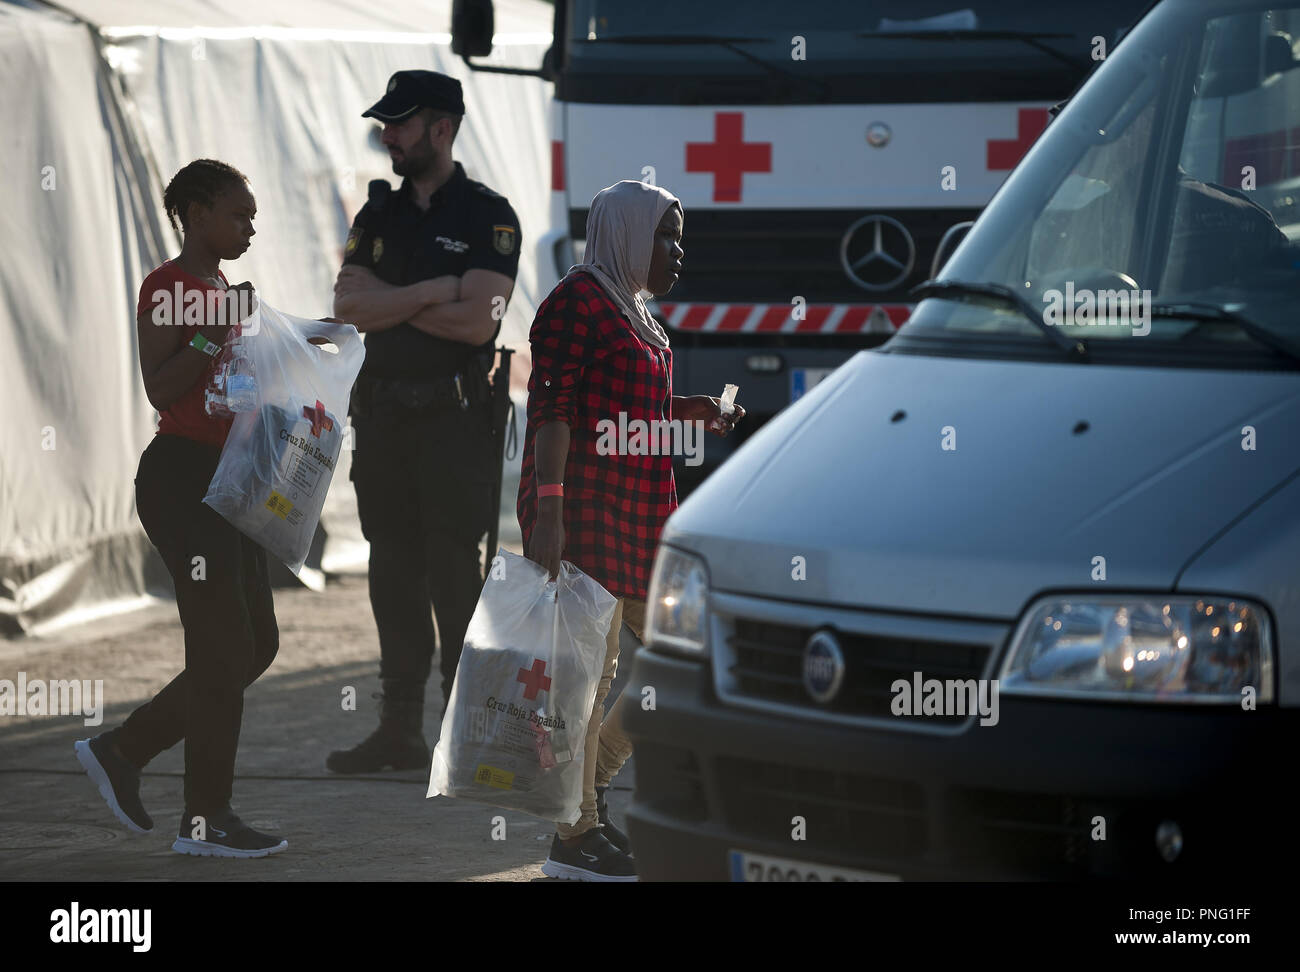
(290, 403)
(516, 723)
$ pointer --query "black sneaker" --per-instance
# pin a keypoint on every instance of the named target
(226, 836)
(612, 833)
(595, 859)
(118, 781)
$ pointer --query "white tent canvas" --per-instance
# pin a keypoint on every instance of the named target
(99, 113)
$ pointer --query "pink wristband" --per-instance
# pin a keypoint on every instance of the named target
(553, 489)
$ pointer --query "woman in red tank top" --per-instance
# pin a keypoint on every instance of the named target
(185, 314)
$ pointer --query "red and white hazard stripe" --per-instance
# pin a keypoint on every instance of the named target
(785, 318)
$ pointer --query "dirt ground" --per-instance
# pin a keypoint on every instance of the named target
(55, 826)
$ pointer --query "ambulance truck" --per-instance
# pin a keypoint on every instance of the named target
(829, 155)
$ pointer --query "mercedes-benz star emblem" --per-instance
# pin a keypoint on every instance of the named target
(877, 253)
(878, 134)
(823, 666)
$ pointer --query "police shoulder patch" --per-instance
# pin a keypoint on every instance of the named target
(505, 239)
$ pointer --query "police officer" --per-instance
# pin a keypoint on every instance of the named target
(427, 271)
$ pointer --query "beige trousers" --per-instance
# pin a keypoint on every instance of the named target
(607, 747)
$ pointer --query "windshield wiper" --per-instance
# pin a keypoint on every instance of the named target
(1216, 314)
(730, 43)
(1000, 296)
(1033, 39)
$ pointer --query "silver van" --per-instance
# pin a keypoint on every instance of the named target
(1068, 646)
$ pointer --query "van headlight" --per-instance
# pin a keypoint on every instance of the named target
(1142, 648)
(677, 613)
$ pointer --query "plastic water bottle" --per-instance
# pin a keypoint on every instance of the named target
(214, 394)
(214, 403)
(241, 383)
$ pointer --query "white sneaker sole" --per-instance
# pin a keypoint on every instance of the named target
(99, 776)
(205, 848)
(567, 872)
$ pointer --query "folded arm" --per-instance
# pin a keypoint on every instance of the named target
(362, 299)
(472, 317)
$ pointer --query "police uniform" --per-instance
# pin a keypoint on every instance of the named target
(423, 460)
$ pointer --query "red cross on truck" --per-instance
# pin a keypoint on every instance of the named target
(1004, 153)
(728, 156)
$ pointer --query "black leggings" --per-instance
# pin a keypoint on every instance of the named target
(225, 606)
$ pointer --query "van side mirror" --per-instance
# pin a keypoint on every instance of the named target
(472, 27)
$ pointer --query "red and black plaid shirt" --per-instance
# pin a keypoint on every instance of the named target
(590, 364)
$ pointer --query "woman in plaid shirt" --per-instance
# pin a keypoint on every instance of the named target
(600, 360)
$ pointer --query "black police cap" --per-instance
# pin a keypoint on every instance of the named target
(409, 91)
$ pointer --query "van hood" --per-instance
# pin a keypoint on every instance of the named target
(968, 486)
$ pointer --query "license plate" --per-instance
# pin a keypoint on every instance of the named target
(760, 867)
(803, 380)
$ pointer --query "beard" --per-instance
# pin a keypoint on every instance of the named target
(414, 163)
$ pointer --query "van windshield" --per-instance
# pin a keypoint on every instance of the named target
(1158, 217)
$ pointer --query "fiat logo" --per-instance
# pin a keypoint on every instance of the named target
(823, 666)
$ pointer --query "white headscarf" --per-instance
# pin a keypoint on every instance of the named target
(621, 227)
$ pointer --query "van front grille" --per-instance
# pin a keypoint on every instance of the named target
(767, 666)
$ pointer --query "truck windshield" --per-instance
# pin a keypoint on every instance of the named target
(837, 24)
(1158, 216)
(846, 40)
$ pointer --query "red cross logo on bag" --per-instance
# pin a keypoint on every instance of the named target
(319, 420)
(535, 679)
